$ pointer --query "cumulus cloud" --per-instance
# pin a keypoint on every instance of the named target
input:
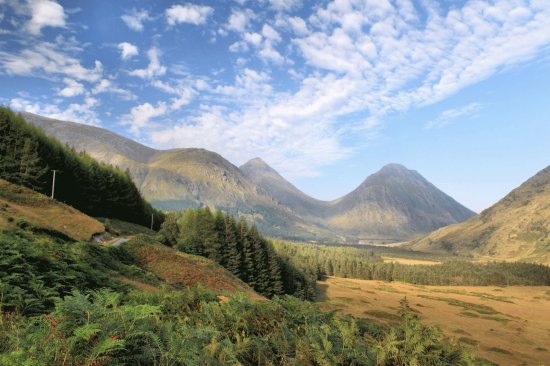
(107, 86)
(361, 61)
(452, 114)
(72, 88)
(285, 5)
(188, 13)
(45, 13)
(134, 19)
(153, 69)
(76, 112)
(46, 59)
(239, 20)
(141, 114)
(127, 50)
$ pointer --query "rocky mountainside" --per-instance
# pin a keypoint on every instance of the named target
(395, 201)
(515, 228)
(393, 204)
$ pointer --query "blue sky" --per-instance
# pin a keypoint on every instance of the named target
(326, 92)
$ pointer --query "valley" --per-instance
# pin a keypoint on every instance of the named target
(508, 325)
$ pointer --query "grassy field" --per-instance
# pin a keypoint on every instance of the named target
(506, 325)
(20, 206)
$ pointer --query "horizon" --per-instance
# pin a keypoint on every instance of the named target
(325, 94)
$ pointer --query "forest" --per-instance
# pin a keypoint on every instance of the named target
(320, 260)
(239, 248)
(28, 156)
(60, 306)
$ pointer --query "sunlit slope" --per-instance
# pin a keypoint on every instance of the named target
(20, 206)
(393, 204)
(182, 270)
(515, 228)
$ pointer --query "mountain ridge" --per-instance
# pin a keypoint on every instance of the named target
(517, 227)
(192, 177)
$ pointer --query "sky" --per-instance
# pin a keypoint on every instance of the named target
(326, 92)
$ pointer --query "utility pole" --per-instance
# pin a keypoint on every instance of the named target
(53, 181)
(151, 221)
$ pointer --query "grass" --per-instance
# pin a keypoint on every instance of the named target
(381, 314)
(481, 309)
(468, 341)
(41, 213)
(500, 350)
(183, 270)
(467, 312)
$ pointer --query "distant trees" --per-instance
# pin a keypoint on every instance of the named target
(27, 157)
(238, 247)
(319, 261)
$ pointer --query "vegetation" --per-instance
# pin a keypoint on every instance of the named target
(61, 306)
(319, 261)
(238, 248)
(27, 157)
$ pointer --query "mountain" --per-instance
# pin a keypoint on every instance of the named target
(393, 204)
(179, 178)
(283, 191)
(515, 228)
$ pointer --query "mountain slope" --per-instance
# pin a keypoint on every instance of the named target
(515, 228)
(180, 178)
(273, 183)
(391, 205)
(395, 203)
(23, 207)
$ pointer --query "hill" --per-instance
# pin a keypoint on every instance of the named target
(515, 228)
(393, 204)
(28, 156)
(23, 207)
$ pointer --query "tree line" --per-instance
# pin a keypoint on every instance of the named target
(28, 156)
(239, 248)
(320, 261)
(61, 305)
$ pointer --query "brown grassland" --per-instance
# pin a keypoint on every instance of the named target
(20, 203)
(506, 325)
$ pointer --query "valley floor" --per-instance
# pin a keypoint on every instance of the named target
(506, 325)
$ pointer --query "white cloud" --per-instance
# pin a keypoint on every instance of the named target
(362, 61)
(298, 25)
(75, 112)
(107, 86)
(72, 88)
(253, 38)
(46, 60)
(270, 54)
(270, 33)
(450, 115)
(135, 19)
(188, 13)
(45, 13)
(153, 69)
(127, 50)
(140, 115)
(285, 5)
(239, 20)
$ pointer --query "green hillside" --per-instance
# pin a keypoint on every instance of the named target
(517, 228)
(28, 156)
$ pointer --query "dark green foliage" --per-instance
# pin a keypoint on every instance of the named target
(319, 261)
(240, 249)
(192, 327)
(27, 157)
(91, 325)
